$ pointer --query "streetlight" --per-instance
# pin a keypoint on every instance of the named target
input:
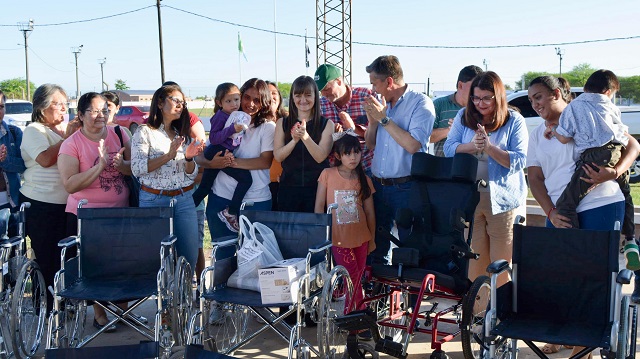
(76, 51)
(560, 52)
(26, 28)
(485, 62)
(102, 62)
(160, 36)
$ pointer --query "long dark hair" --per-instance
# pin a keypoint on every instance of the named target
(553, 83)
(182, 124)
(265, 99)
(345, 146)
(304, 85)
(488, 81)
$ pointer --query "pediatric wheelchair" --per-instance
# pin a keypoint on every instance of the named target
(123, 255)
(429, 268)
(321, 293)
(565, 289)
(23, 297)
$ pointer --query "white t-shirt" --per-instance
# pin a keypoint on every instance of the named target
(558, 165)
(254, 142)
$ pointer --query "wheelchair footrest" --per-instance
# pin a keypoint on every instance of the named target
(358, 321)
(388, 346)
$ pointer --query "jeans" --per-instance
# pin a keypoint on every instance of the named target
(601, 218)
(185, 221)
(217, 229)
(387, 201)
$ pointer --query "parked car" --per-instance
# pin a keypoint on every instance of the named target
(18, 113)
(630, 117)
(132, 116)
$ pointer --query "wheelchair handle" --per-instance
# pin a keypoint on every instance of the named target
(24, 205)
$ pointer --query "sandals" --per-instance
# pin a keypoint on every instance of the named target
(554, 348)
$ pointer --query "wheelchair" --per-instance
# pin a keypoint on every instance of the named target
(565, 289)
(322, 290)
(23, 297)
(117, 261)
(423, 289)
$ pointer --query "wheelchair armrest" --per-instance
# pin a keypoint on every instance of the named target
(320, 247)
(498, 266)
(69, 241)
(624, 276)
(169, 240)
(12, 242)
(225, 243)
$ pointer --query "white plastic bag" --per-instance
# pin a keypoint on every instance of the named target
(257, 250)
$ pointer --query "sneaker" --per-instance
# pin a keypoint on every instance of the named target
(632, 255)
(230, 220)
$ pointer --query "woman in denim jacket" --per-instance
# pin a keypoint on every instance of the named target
(498, 137)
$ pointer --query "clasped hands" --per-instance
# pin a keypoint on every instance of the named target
(481, 139)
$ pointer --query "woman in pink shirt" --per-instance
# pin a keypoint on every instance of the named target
(92, 163)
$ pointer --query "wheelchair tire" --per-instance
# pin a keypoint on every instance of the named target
(181, 301)
(474, 309)
(332, 341)
(229, 328)
(28, 311)
(72, 317)
(622, 347)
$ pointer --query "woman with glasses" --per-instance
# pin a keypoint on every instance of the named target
(162, 160)
(497, 136)
(46, 222)
(92, 164)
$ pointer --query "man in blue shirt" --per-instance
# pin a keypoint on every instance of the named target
(400, 124)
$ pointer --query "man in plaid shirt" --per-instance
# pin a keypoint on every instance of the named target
(343, 105)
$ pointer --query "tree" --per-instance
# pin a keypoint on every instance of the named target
(285, 89)
(121, 85)
(579, 74)
(630, 88)
(16, 88)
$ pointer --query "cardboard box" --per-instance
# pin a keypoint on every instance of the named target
(279, 281)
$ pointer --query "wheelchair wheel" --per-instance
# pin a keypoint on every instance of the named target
(181, 301)
(332, 341)
(28, 311)
(390, 306)
(73, 316)
(227, 326)
(624, 334)
(474, 309)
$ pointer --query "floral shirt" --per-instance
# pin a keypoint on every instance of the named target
(149, 143)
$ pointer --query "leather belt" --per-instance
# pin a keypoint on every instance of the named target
(392, 181)
(167, 192)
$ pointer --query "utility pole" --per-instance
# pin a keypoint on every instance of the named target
(26, 28)
(485, 62)
(76, 52)
(102, 62)
(160, 36)
(275, 40)
(560, 52)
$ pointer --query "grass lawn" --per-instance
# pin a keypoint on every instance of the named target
(635, 193)
(202, 112)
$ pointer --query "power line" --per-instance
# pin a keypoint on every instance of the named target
(89, 20)
(41, 59)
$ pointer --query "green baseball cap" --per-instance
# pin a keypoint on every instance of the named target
(326, 73)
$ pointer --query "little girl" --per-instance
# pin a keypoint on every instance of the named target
(223, 139)
(354, 220)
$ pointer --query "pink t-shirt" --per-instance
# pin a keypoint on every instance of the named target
(109, 189)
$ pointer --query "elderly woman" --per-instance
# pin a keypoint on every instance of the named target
(91, 164)
(162, 159)
(550, 165)
(46, 222)
(498, 137)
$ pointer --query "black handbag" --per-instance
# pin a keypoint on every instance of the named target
(130, 181)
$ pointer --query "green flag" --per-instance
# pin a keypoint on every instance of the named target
(241, 48)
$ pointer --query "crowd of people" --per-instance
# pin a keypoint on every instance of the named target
(335, 144)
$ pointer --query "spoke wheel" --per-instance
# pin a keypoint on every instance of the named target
(181, 301)
(474, 309)
(28, 311)
(393, 305)
(72, 316)
(332, 341)
(623, 329)
(226, 327)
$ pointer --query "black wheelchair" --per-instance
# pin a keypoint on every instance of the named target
(322, 290)
(123, 255)
(23, 296)
(565, 289)
(427, 269)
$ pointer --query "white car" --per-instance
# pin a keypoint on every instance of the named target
(18, 113)
(630, 117)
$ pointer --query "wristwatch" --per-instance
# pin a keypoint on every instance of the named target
(385, 121)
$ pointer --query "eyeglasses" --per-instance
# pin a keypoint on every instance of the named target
(58, 104)
(177, 101)
(486, 100)
(95, 113)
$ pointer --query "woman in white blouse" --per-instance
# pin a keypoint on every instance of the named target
(162, 159)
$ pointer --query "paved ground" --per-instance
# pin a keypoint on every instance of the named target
(269, 345)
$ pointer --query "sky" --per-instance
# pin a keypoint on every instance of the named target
(200, 39)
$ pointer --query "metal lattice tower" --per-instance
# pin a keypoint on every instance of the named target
(333, 35)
